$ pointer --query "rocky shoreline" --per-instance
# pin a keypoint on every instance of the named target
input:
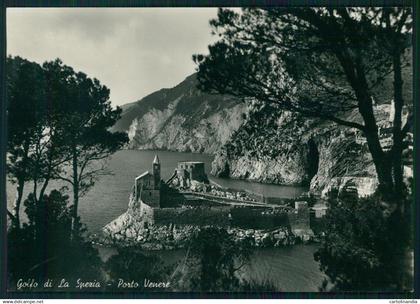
(171, 237)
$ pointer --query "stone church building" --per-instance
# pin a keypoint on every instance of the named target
(147, 186)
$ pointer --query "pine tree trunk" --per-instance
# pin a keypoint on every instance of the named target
(383, 165)
(385, 179)
(16, 207)
(380, 159)
(398, 174)
(20, 187)
(75, 190)
(397, 134)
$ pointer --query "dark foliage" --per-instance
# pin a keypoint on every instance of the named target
(59, 123)
(212, 262)
(84, 110)
(44, 248)
(33, 141)
(363, 248)
(134, 264)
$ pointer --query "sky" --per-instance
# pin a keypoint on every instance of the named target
(133, 51)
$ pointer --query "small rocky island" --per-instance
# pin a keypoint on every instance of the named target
(164, 214)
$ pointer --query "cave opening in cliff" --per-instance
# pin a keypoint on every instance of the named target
(313, 159)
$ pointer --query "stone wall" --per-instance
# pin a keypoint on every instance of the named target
(256, 196)
(258, 218)
(196, 216)
(198, 172)
(299, 220)
(147, 214)
(274, 200)
(151, 196)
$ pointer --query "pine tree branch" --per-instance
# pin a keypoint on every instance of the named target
(407, 125)
(12, 217)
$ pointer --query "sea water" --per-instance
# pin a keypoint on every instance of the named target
(289, 269)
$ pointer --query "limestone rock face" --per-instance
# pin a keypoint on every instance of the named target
(270, 147)
(181, 119)
(285, 169)
(206, 136)
(342, 160)
(284, 148)
(281, 147)
(365, 186)
(118, 226)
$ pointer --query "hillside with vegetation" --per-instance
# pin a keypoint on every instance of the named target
(181, 119)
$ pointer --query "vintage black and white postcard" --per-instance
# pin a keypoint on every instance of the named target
(202, 150)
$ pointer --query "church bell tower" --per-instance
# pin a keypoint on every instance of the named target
(156, 172)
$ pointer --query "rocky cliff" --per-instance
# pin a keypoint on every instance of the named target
(285, 148)
(255, 141)
(181, 119)
(281, 147)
